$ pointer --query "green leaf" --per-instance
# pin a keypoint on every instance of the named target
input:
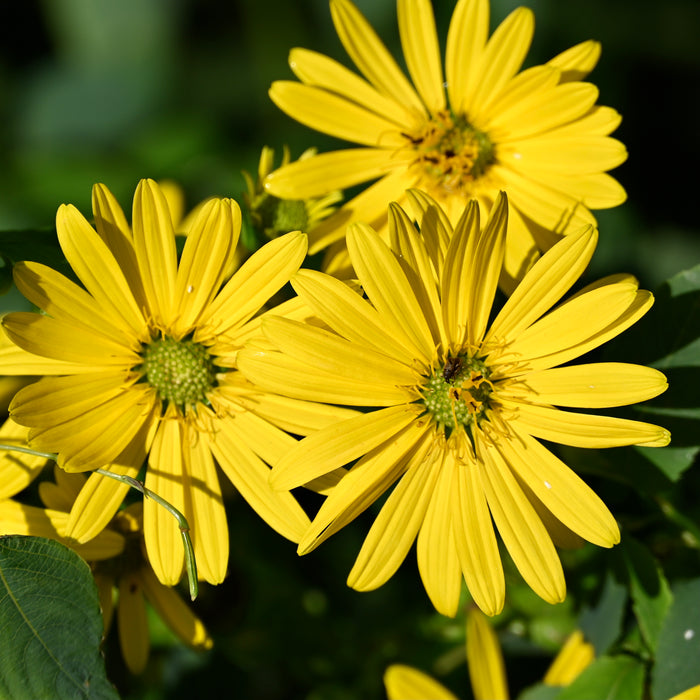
(651, 595)
(608, 678)
(602, 623)
(678, 651)
(540, 691)
(50, 623)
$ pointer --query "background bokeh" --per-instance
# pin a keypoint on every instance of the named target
(103, 91)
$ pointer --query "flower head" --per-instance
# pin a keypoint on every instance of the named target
(455, 406)
(144, 364)
(272, 216)
(117, 559)
(482, 127)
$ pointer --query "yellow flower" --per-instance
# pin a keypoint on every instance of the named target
(145, 365)
(480, 128)
(486, 667)
(272, 216)
(455, 408)
(117, 560)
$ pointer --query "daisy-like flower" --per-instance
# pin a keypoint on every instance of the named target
(480, 128)
(144, 358)
(272, 216)
(117, 560)
(486, 667)
(455, 408)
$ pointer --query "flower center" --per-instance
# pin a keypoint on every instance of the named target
(181, 371)
(458, 393)
(451, 152)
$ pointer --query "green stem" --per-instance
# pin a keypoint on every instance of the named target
(190, 563)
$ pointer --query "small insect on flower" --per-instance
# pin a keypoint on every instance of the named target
(453, 366)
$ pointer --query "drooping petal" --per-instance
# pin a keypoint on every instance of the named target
(251, 476)
(366, 481)
(174, 611)
(474, 537)
(406, 683)
(17, 469)
(395, 528)
(585, 430)
(208, 525)
(522, 531)
(370, 55)
(487, 671)
(166, 477)
(134, 638)
(438, 562)
(422, 51)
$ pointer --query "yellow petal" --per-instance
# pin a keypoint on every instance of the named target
(388, 289)
(205, 260)
(522, 531)
(395, 528)
(96, 267)
(335, 115)
(466, 40)
(251, 477)
(487, 671)
(166, 477)
(337, 170)
(321, 71)
(438, 562)
(543, 286)
(422, 51)
(366, 481)
(263, 274)
(406, 683)
(154, 242)
(599, 385)
(560, 490)
(208, 517)
(572, 659)
(134, 639)
(370, 55)
(584, 430)
(17, 469)
(339, 444)
(64, 300)
(578, 61)
(174, 611)
(596, 190)
(347, 313)
(16, 361)
(474, 537)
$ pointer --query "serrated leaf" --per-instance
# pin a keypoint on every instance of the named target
(50, 623)
(608, 678)
(678, 652)
(651, 595)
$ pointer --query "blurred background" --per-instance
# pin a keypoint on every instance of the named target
(102, 91)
